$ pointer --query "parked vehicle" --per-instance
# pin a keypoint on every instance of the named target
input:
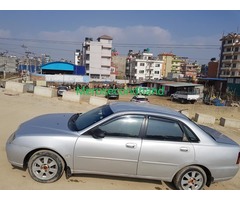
(112, 94)
(144, 91)
(61, 89)
(140, 99)
(185, 97)
(124, 139)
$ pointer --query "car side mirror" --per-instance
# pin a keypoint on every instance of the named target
(98, 133)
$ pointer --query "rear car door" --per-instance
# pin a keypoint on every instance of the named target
(165, 149)
(116, 153)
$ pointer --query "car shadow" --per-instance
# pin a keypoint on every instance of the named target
(169, 185)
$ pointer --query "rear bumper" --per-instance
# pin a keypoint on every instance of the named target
(223, 174)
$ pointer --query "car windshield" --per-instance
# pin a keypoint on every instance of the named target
(142, 99)
(87, 119)
(62, 88)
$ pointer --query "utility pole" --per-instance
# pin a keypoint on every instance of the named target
(4, 69)
(27, 52)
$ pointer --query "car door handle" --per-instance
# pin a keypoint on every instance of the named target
(184, 149)
(131, 145)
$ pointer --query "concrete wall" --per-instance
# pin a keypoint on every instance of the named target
(41, 83)
(71, 96)
(97, 101)
(204, 119)
(16, 87)
(45, 92)
(234, 123)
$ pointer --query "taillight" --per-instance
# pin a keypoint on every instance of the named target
(238, 160)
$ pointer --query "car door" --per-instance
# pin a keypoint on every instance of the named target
(165, 149)
(116, 153)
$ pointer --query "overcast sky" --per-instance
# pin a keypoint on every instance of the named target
(188, 33)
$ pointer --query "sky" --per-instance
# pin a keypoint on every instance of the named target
(189, 33)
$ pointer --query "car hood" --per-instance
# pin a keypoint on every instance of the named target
(218, 136)
(49, 124)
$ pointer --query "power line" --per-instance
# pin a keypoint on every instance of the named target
(116, 44)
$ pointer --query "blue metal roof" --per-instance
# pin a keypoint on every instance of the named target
(61, 66)
(213, 79)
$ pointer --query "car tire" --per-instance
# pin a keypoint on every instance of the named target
(45, 166)
(190, 178)
(192, 101)
(183, 101)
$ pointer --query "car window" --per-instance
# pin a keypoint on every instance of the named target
(163, 129)
(125, 126)
(190, 135)
(87, 119)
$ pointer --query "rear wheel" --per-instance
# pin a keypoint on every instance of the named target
(192, 101)
(182, 100)
(45, 166)
(190, 178)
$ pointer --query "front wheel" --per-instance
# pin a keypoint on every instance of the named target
(190, 178)
(45, 166)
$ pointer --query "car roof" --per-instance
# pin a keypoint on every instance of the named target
(140, 96)
(149, 108)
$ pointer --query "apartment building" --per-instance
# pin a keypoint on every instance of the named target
(143, 66)
(119, 63)
(8, 64)
(177, 63)
(190, 70)
(167, 59)
(96, 57)
(229, 66)
(230, 56)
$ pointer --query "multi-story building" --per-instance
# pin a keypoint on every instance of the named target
(77, 57)
(177, 62)
(143, 66)
(96, 57)
(8, 64)
(190, 70)
(167, 59)
(119, 64)
(212, 71)
(229, 65)
(230, 56)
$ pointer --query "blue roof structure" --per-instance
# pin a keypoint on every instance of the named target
(213, 79)
(61, 66)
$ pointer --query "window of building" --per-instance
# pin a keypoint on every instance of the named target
(141, 71)
(235, 57)
(142, 64)
(228, 49)
(234, 65)
(230, 80)
(226, 65)
(156, 72)
(236, 49)
(229, 42)
(237, 80)
(228, 57)
(157, 65)
(233, 73)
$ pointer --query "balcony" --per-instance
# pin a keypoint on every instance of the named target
(227, 61)
(228, 52)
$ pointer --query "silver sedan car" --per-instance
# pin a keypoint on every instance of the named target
(124, 139)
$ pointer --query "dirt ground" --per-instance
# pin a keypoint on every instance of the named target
(17, 108)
